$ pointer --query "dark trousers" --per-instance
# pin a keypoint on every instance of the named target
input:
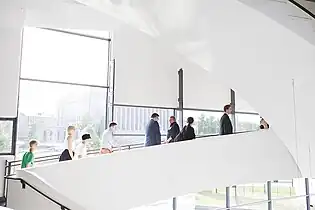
(65, 155)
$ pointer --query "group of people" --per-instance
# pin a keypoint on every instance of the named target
(152, 137)
(73, 151)
(174, 134)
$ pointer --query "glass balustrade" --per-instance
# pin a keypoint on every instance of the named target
(285, 195)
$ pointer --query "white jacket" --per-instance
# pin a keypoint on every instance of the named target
(109, 140)
(80, 151)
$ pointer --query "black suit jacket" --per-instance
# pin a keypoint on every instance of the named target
(225, 125)
(173, 131)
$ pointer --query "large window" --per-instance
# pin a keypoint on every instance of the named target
(63, 82)
(57, 56)
(206, 122)
(6, 134)
(247, 122)
(46, 109)
(132, 122)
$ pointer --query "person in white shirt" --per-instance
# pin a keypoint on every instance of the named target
(81, 150)
(68, 152)
(108, 140)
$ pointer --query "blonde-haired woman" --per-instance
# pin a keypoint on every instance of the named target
(68, 152)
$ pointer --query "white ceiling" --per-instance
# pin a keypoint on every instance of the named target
(288, 15)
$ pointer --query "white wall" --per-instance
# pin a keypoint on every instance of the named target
(201, 91)
(11, 23)
(288, 15)
(28, 199)
(143, 176)
(146, 72)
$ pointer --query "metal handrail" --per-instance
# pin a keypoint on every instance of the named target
(57, 155)
(10, 164)
(15, 163)
(23, 182)
(301, 7)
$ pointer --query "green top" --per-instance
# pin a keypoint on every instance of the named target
(28, 159)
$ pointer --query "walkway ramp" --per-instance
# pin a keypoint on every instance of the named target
(143, 176)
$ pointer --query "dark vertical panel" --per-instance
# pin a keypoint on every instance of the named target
(227, 198)
(109, 83)
(113, 87)
(307, 191)
(269, 195)
(181, 96)
(233, 106)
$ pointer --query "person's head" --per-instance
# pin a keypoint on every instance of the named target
(263, 124)
(85, 137)
(155, 116)
(228, 109)
(190, 120)
(33, 145)
(112, 126)
(71, 130)
(172, 119)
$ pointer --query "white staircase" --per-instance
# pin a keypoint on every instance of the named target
(128, 179)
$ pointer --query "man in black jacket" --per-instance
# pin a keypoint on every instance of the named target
(225, 122)
(173, 131)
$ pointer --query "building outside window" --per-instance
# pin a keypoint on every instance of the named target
(63, 82)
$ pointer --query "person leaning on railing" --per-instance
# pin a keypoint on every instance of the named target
(108, 139)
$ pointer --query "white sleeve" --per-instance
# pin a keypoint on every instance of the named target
(115, 143)
(78, 150)
(84, 152)
(105, 140)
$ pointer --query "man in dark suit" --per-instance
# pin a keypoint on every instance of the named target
(173, 131)
(152, 133)
(226, 127)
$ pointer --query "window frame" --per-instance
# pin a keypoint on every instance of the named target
(14, 134)
(58, 81)
(173, 109)
(104, 87)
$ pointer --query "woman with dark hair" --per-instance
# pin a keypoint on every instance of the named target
(263, 124)
(188, 132)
